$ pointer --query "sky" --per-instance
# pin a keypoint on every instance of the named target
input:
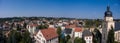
(92, 9)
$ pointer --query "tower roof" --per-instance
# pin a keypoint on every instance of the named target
(108, 13)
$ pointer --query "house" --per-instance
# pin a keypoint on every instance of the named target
(87, 36)
(51, 26)
(117, 31)
(46, 36)
(32, 28)
(78, 32)
(117, 36)
(68, 31)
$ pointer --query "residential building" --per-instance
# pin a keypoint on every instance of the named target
(117, 31)
(32, 28)
(87, 36)
(46, 36)
(78, 32)
(68, 31)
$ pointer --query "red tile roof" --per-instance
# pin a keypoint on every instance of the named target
(78, 29)
(70, 26)
(49, 33)
(33, 25)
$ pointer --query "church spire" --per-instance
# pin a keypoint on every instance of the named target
(108, 13)
(108, 8)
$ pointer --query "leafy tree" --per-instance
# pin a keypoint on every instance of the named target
(2, 37)
(19, 37)
(18, 27)
(79, 40)
(62, 40)
(97, 36)
(25, 24)
(26, 37)
(89, 23)
(11, 38)
(69, 41)
(97, 23)
(92, 23)
(67, 38)
(59, 33)
(111, 36)
(42, 27)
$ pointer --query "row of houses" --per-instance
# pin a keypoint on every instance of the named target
(49, 35)
(74, 28)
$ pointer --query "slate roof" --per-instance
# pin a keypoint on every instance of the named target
(68, 31)
(117, 26)
(87, 33)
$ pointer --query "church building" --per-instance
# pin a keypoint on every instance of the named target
(107, 24)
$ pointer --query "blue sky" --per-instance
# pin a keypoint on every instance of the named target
(59, 8)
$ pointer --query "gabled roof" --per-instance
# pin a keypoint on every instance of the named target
(32, 25)
(49, 33)
(68, 31)
(78, 29)
(87, 33)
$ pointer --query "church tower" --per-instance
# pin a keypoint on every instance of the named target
(107, 24)
(108, 19)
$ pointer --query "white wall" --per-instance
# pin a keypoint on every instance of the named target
(108, 18)
(88, 39)
(55, 40)
(78, 34)
(117, 36)
(39, 38)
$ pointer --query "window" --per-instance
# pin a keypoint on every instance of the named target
(39, 38)
(86, 37)
(89, 37)
(43, 41)
(40, 35)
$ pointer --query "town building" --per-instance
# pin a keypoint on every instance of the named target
(107, 24)
(87, 36)
(78, 32)
(46, 36)
(68, 31)
(32, 29)
(117, 31)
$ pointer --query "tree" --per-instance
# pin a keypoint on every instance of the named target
(19, 37)
(92, 23)
(79, 40)
(42, 26)
(110, 38)
(67, 38)
(26, 37)
(2, 37)
(11, 38)
(89, 23)
(97, 36)
(59, 33)
(69, 41)
(62, 40)
(25, 24)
